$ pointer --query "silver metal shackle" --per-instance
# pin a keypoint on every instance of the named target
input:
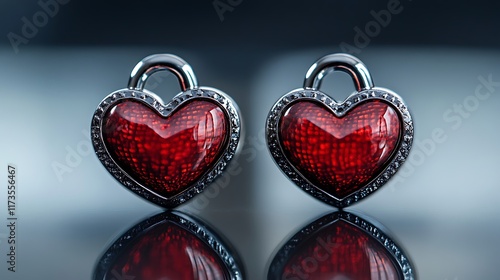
(160, 62)
(339, 62)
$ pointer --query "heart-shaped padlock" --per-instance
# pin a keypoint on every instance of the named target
(166, 152)
(170, 245)
(339, 152)
(342, 245)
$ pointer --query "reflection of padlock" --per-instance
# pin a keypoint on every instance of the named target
(170, 245)
(339, 152)
(166, 152)
(341, 245)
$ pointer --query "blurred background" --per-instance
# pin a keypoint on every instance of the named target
(60, 58)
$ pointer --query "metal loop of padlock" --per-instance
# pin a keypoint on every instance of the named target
(304, 125)
(194, 107)
(160, 62)
(339, 62)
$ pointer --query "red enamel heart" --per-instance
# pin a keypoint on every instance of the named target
(340, 155)
(165, 154)
(340, 251)
(168, 251)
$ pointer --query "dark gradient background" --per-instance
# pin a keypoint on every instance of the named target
(442, 207)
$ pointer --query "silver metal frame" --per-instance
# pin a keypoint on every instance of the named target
(227, 254)
(365, 91)
(377, 232)
(191, 91)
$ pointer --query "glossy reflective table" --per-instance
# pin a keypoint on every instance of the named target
(440, 210)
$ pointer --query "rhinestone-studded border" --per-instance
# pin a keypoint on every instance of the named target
(195, 227)
(283, 254)
(165, 110)
(339, 109)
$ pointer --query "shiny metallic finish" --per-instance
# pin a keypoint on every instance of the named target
(136, 92)
(366, 92)
(368, 226)
(159, 62)
(339, 62)
(216, 242)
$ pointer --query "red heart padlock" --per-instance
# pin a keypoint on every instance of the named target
(339, 152)
(170, 245)
(166, 153)
(341, 245)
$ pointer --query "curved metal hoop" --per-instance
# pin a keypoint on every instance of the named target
(159, 62)
(339, 62)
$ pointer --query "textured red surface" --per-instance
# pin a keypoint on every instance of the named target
(340, 251)
(339, 155)
(168, 154)
(168, 251)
